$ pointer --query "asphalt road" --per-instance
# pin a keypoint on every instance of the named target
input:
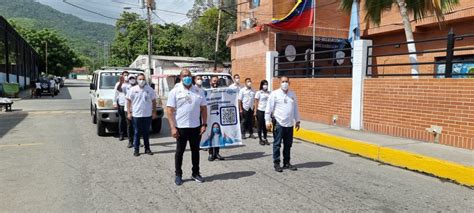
(51, 160)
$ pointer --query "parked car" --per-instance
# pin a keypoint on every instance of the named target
(46, 87)
(101, 100)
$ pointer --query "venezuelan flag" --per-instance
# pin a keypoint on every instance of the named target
(300, 16)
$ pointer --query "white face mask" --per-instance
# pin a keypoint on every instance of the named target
(132, 81)
(265, 87)
(284, 86)
(141, 83)
(199, 82)
(249, 84)
(237, 80)
(126, 78)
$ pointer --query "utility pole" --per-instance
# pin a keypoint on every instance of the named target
(150, 6)
(217, 35)
(46, 56)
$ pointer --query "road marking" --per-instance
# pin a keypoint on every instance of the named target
(20, 144)
(459, 173)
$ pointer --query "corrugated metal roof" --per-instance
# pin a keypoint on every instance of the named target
(179, 58)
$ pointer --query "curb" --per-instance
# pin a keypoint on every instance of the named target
(440, 168)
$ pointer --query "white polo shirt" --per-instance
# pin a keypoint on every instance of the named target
(262, 97)
(235, 86)
(120, 96)
(284, 107)
(125, 91)
(141, 100)
(247, 96)
(187, 103)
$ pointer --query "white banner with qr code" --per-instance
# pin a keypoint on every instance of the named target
(222, 119)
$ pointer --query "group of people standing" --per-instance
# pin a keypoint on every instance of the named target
(187, 116)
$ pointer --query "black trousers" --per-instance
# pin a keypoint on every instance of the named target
(185, 135)
(214, 151)
(122, 124)
(247, 121)
(130, 130)
(261, 128)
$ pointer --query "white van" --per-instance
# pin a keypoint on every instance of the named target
(102, 100)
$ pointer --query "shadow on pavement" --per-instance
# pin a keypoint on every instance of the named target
(9, 121)
(247, 156)
(230, 176)
(311, 165)
(163, 144)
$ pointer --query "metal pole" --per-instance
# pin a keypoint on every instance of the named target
(149, 31)
(46, 56)
(313, 54)
(449, 55)
(217, 36)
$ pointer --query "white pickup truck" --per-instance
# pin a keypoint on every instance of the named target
(102, 100)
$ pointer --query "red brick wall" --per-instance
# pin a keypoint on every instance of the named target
(321, 98)
(406, 107)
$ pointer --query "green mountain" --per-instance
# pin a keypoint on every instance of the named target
(82, 36)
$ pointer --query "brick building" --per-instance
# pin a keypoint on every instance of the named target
(398, 106)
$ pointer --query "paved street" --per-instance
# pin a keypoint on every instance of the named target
(51, 160)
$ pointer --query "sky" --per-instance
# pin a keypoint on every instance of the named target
(113, 8)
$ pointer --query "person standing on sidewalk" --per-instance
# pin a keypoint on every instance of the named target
(236, 84)
(185, 103)
(283, 105)
(261, 99)
(141, 110)
(120, 102)
(132, 81)
(214, 151)
(246, 104)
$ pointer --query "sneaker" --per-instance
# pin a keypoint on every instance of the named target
(130, 145)
(265, 141)
(278, 168)
(121, 138)
(244, 137)
(136, 153)
(178, 181)
(148, 151)
(253, 136)
(290, 167)
(211, 158)
(197, 178)
(261, 142)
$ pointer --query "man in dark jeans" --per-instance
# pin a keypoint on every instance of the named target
(246, 104)
(282, 104)
(185, 103)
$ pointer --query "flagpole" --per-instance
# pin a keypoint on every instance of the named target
(313, 56)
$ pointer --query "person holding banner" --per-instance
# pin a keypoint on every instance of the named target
(261, 99)
(214, 151)
(246, 104)
(185, 104)
(283, 105)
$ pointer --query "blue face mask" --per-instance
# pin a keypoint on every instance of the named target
(187, 80)
(215, 130)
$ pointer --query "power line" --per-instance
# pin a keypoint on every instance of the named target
(159, 17)
(90, 11)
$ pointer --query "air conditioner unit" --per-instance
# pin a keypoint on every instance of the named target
(248, 23)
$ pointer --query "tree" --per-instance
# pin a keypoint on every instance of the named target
(419, 8)
(168, 40)
(61, 58)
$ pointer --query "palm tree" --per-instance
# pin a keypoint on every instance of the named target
(419, 8)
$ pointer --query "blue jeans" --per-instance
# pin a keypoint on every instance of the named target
(284, 134)
(142, 128)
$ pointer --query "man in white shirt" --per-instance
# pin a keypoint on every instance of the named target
(236, 83)
(246, 104)
(141, 109)
(282, 104)
(185, 103)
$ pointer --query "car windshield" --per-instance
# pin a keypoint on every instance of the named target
(108, 80)
(224, 81)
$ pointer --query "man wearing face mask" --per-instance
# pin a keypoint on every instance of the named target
(236, 83)
(141, 110)
(198, 81)
(132, 81)
(185, 103)
(283, 105)
(246, 103)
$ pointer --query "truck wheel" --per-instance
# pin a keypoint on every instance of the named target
(100, 128)
(156, 125)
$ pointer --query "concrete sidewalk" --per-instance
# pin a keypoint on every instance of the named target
(442, 161)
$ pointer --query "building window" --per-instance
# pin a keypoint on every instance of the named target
(254, 3)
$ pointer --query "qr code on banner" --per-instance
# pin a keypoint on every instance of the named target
(228, 115)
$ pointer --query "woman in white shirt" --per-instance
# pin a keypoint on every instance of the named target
(261, 99)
